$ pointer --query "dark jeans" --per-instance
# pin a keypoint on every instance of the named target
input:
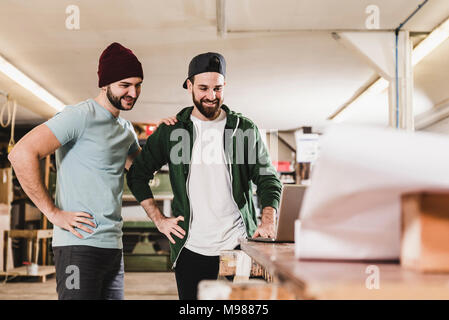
(89, 273)
(190, 269)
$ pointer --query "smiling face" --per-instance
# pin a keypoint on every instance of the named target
(123, 94)
(207, 93)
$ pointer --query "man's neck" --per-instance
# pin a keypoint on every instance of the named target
(103, 101)
(197, 114)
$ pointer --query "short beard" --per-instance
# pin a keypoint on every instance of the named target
(117, 101)
(208, 112)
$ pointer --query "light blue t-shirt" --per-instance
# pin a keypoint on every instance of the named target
(90, 166)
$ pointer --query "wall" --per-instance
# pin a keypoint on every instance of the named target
(284, 153)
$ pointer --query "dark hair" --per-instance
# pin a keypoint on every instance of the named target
(192, 79)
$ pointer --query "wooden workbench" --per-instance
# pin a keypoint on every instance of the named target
(32, 237)
(345, 280)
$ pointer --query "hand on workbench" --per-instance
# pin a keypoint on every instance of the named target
(265, 231)
(69, 220)
(168, 226)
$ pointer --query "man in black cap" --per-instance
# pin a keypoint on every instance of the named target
(214, 156)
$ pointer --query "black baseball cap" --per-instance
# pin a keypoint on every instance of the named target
(206, 62)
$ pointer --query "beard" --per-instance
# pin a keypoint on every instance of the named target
(117, 101)
(209, 112)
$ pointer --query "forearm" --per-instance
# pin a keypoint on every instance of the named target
(167, 226)
(268, 215)
(27, 169)
(152, 211)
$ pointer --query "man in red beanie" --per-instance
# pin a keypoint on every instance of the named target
(93, 147)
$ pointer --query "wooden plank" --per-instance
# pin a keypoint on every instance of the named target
(6, 197)
(35, 251)
(228, 266)
(6, 188)
(250, 290)
(5, 249)
(21, 273)
(44, 234)
(31, 234)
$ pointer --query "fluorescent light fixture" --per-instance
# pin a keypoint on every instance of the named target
(18, 76)
(424, 48)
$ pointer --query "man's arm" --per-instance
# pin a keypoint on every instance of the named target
(269, 187)
(154, 155)
(168, 121)
(164, 225)
(24, 157)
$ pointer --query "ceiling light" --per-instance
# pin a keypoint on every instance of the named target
(18, 76)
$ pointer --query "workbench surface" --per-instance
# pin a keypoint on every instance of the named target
(343, 279)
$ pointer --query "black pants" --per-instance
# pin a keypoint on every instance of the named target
(190, 269)
(89, 273)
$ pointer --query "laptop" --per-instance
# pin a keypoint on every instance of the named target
(291, 200)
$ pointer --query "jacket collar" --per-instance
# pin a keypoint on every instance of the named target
(231, 116)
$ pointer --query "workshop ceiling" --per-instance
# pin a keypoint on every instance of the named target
(285, 70)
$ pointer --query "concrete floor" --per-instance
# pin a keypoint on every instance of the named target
(138, 286)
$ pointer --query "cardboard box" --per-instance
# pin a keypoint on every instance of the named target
(425, 232)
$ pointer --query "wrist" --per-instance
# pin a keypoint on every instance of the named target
(157, 218)
(268, 215)
(52, 213)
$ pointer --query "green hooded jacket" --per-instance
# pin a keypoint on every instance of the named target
(247, 160)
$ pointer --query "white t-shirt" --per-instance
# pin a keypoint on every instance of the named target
(216, 220)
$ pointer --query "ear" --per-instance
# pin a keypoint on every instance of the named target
(189, 86)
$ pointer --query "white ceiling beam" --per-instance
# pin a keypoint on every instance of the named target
(437, 113)
(425, 47)
(221, 18)
(400, 92)
(374, 48)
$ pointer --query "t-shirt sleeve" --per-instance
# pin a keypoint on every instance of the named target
(68, 124)
(135, 145)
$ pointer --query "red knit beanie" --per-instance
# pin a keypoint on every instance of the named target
(117, 63)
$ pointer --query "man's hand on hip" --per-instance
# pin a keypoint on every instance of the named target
(168, 226)
(164, 224)
(70, 220)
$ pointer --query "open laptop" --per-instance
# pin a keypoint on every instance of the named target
(291, 200)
